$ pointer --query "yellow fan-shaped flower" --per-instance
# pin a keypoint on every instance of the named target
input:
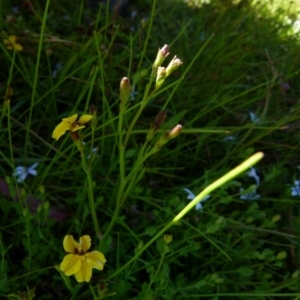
(11, 43)
(71, 124)
(79, 262)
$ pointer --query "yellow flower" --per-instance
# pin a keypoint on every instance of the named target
(79, 261)
(11, 43)
(71, 124)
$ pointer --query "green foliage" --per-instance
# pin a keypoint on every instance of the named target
(235, 94)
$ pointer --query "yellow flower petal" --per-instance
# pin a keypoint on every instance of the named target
(70, 245)
(96, 259)
(60, 130)
(71, 119)
(85, 243)
(84, 119)
(85, 272)
(18, 47)
(12, 39)
(76, 127)
(71, 264)
(62, 127)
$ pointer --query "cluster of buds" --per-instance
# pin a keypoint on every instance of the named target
(161, 73)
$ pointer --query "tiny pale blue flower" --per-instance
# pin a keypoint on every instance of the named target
(249, 196)
(252, 173)
(191, 196)
(229, 138)
(22, 172)
(295, 190)
(254, 118)
(94, 150)
(133, 93)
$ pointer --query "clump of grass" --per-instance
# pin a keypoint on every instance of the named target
(235, 94)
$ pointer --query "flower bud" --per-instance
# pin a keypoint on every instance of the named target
(93, 110)
(75, 136)
(9, 93)
(125, 89)
(168, 238)
(160, 57)
(39, 208)
(165, 138)
(175, 131)
(46, 205)
(160, 77)
(173, 65)
(159, 120)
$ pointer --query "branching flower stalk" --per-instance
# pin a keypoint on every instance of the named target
(127, 182)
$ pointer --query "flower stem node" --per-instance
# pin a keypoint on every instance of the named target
(125, 89)
(72, 124)
(80, 262)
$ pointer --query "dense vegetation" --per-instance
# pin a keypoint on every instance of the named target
(122, 174)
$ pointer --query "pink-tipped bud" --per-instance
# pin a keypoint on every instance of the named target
(125, 89)
(160, 57)
(165, 138)
(175, 131)
(173, 65)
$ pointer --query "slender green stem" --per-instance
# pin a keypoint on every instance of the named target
(158, 269)
(144, 102)
(148, 35)
(91, 197)
(122, 180)
(116, 211)
(35, 79)
(221, 181)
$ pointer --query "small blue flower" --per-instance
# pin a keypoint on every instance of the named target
(191, 196)
(229, 138)
(252, 173)
(22, 172)
(133, 93)
(57, 68)
(295, 190)
(254, 118)
(249, 196)
(94, 150)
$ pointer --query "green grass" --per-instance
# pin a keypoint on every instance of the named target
(238, 58)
